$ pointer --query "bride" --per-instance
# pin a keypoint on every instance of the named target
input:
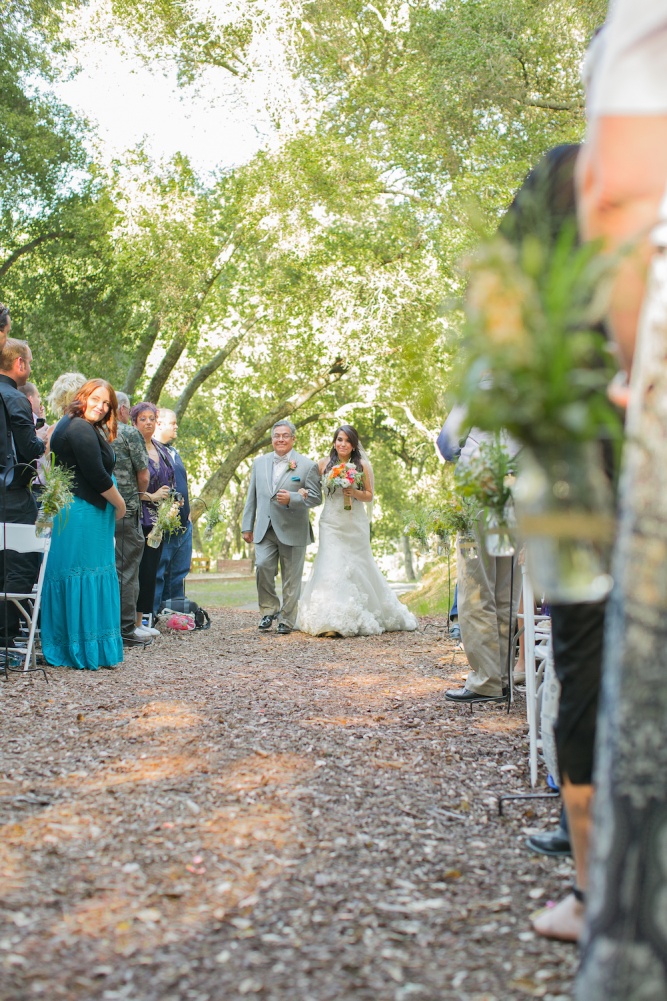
(346, 594)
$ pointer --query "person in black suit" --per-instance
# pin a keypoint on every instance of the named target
(20, 446)
(5, 324)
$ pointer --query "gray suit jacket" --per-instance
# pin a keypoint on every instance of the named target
(291, 524)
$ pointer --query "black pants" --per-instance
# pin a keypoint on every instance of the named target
(577, 633)
(18, 571)
(150, 561)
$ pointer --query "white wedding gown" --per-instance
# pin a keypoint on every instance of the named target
(346, 592)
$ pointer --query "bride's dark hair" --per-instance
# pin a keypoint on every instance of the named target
(353, 438)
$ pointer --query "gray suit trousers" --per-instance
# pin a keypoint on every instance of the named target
(129, 550)
(268, 554)
(484, 611)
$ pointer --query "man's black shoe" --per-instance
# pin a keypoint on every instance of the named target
(283, 629)
(465, 695)
(266, 622)
(550, 843)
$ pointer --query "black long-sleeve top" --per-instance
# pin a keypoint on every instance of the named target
(79, 446)
(19, 428)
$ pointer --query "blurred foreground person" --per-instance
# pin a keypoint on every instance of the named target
(622, 182)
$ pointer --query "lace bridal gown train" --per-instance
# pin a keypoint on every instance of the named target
(346, 592)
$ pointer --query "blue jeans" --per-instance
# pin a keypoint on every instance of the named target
(173, 568)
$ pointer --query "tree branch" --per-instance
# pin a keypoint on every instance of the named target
(180, 341)
(138, 363)
(553, 105)
(211, 366)
(249, 440)
(29, 247)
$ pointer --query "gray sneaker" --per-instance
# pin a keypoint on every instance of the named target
(455, 632)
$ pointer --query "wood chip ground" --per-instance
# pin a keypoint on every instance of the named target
(236, 815)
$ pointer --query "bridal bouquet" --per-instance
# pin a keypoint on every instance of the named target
(344, 475)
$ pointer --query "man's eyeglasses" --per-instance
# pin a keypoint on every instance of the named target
(281, 437)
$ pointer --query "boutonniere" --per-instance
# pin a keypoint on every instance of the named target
(291, 464)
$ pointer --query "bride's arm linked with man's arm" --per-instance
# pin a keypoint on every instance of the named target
(311, 494)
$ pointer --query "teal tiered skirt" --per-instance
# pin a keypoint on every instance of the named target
(81, 599)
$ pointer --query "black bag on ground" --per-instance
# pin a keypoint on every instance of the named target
(202, 618)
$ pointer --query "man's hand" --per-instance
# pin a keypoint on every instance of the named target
(247, 537)
(283, 497)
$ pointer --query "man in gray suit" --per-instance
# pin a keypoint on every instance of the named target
(276, 520)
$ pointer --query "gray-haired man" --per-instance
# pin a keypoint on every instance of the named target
(276, 520)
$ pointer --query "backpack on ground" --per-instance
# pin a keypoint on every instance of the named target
(189, 607)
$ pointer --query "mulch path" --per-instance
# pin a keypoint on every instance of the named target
(237, 815)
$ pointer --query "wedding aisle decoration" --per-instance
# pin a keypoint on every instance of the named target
(56, 495)
(486, 480)
(537, 367)
(167, 521)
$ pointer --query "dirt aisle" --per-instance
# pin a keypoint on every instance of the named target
(233, 814)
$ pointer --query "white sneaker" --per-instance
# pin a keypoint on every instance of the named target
(141, 637)
(146, 632)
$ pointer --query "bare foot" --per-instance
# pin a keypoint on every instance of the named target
(564, 921)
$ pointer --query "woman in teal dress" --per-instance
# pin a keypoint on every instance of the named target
(80, 598)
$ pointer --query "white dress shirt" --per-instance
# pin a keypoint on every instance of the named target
(280, 465)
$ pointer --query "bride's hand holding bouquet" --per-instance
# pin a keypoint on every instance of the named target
(345, 476)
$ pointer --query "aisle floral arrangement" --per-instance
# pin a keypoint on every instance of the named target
(537, 367)
(167, 522)
(438, 527)
(535, 364)
(487, 479)
(56, 495)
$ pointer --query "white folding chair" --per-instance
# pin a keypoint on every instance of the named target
(24, 539)
(537, 640)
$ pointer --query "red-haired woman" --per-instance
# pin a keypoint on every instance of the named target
(81, 600)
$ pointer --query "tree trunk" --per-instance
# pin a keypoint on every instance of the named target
(180, 341)
(144, 348)
(250, 440)
(167, 365)
(407, 558)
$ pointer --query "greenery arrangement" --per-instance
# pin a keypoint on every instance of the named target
(57, 493)
(167, 522)
(424, 525)
(456, 516)
(213, 519)
(535, 364)
(487, 479)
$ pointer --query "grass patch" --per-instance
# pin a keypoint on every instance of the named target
(222, 593)
(435, 593)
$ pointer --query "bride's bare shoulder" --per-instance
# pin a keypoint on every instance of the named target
(322, 463)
